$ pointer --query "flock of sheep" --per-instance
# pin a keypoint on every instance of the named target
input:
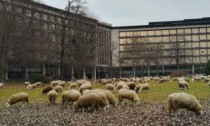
(127, 88)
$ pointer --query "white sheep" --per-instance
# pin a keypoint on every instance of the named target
(70, 96)
(87, 100)
(110, 97)
(72, 85)
(103, 99)
(27, 83)
(128, 94)
(31, 86)
(52, 96)
(85, 86)
(61, 83)
(2, 85)
(183, 100)
(144, 86)
(58, 88)
(19, 97)
(183, 84)
(110, 87)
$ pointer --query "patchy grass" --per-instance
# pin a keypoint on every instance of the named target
(156, 93)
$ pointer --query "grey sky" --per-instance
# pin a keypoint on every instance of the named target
(141, 12)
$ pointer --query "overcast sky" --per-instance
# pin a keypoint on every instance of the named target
(141, 12)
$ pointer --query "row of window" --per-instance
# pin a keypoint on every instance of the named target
(186, 38)
(164, 32)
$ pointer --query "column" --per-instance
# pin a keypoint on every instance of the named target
(148, 71)
(163, 70)
(43, 69)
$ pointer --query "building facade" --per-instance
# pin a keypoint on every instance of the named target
(162, 47)
(91, 38)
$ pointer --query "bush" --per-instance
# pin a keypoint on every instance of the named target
(207, 68)
(39, 77)
(178, 73)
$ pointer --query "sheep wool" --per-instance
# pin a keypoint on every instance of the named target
(52, 95)
(144, 86)
(85, 86)
(46, 90)
(183, 100)
(128, 94)
(19, 97)
(58, 88)
(110, 87)
(70, 96)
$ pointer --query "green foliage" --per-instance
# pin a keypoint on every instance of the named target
(39, 77)
(207, 68)
(178, 73)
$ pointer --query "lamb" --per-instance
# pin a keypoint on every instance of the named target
(110, 97)
(52, 95)
(110, 87)
(58, 88)
(85, 86)
(46, 90)
(2, 85)
(144, 86)
(19, 97)
(128, 94)
(183, 100)
(70, 96)
(87, 100)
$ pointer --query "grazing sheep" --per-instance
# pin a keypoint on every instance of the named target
(183, 100)
(85, 86)
(31, 86)
(72, 85)
(52, 95)
(87, 100)
(61, 83)
(27, 83)
(144, 86)
(110, 97)
(38, 83)
(128, 94)
(137, 87)
(208, 84)
(58, 88)
(162, 80)
(70, 96)
(54, 82)
(103, 99)
(131, 85)
(183, 84)
(46, 90)
(110, 87)
(119, 85)
(2, 85)
(125, 86)
(19, 97)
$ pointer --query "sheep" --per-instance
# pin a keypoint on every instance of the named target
(128, 94)
(137, 87)
(85, 86)
(144, 86)
(87, 100)
(2, 85)
(119, 85)
(31, 86)
(52, 95)
(61, 83)
(131, 85)
(183, 84)
(38, 83)
(110, 87)
(27, 83)
(125, 86)
(103, 99)
(46, 90)
(54, 82)
(58, 88)
(183, 100)
(19, 97)
(72, 85)
(70, 96)
(162, 80)
(110, 97)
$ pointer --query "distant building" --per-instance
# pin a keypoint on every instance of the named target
(183, 45)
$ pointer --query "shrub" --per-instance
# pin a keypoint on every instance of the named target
(207, 68)
(178, 73)
(39, 77)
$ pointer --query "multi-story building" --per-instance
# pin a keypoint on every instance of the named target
(163, 47)
(91, 38)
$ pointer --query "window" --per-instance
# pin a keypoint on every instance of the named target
(158, 39)
(143, 33)
(195, 44)
(129, 33)
(122, 34)
(122, 41)
(202, 37)
(44, 16)
(36, 15)
(172, 32)
(180, 38)
(28, 13)
(151, 39)
(8, 7)
(129, 41)
(202, 30)
(165, 32)
(158, 32)
(172, 38)
(151, 32)
(203, 44)
(187, 31)
(136, 33)
(180, 31)
(208, 30)
(208, 36)
(122, 48)
(188, 38)
(165, 39)
(194, 30)
(195, 37)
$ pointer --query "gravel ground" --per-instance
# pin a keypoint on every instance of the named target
(145, 114)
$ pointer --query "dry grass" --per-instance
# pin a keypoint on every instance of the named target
(156, 93)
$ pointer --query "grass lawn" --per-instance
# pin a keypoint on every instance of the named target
(156, 93)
